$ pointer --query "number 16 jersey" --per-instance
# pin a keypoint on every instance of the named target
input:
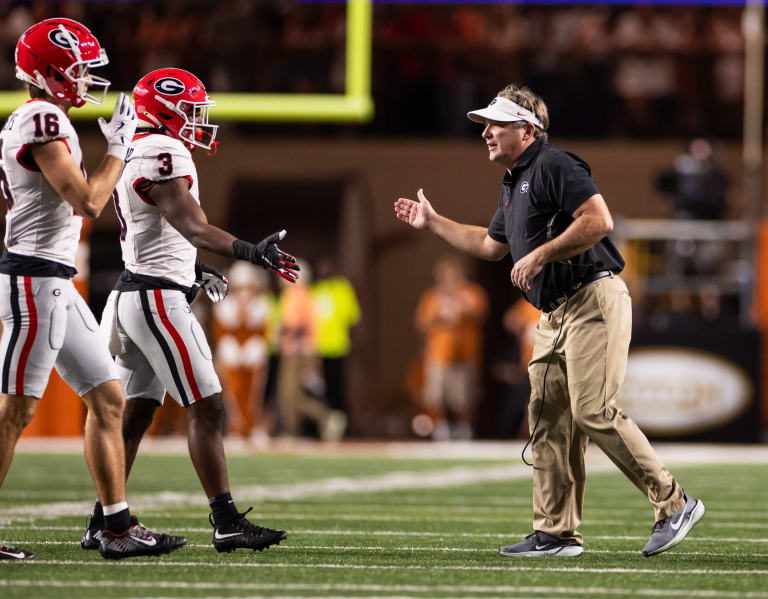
(150, 245)
(39, 223)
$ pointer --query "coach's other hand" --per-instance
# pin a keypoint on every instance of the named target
(525, 270)
(267, 255)
(417, 214)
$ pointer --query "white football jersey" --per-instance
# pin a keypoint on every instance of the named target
(39, 222)
(151, 246)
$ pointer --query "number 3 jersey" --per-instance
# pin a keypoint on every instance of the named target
(39, 223)
(151, 246)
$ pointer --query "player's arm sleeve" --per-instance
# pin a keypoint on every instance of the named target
(571, 182)
(162, 163)
(41, 124)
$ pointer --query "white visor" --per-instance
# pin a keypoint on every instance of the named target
(503, 110)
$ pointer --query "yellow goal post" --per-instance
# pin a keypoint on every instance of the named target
(355, 105)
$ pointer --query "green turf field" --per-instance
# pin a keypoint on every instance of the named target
(378, 527)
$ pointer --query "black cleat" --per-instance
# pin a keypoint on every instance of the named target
(137, 541)
(14, 553)
(242, 534)
(92, 536)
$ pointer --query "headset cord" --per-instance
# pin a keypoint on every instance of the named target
(546, 370)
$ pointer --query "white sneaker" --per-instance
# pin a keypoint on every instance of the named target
(335, 425)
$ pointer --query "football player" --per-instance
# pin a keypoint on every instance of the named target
(158, 343)
(46, 323)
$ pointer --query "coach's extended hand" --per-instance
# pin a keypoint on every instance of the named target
(417, 214)
(267, 255)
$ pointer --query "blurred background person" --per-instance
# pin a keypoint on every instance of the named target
(300, 384)
(240, 328)
(337, 310)
(694, 187)
(695, 184)
(511, 367)
(451, 316)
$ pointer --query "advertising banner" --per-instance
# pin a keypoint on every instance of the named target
(694, 385)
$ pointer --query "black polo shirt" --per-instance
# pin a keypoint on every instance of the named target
(545, 180)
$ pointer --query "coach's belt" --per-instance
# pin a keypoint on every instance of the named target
(595, 276)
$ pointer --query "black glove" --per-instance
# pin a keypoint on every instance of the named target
(267, 255)
(211, 279)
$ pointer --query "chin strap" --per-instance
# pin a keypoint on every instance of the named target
(214, 147)
(147, 120)
(40, 82)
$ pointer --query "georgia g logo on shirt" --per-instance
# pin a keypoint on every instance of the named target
(524, 187)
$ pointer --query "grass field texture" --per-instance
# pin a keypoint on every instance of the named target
(373, 526)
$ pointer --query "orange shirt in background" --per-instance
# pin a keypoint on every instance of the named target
(521, 319)
(298, 321)
(452, 323)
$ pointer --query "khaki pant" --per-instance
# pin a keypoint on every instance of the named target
(585, 375)
(450, 387)
(294, 402)
(245, 385)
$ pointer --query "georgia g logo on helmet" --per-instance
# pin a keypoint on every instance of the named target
(63, 38)
(170, 86)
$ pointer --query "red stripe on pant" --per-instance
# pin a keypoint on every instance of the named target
(30, 340)
(179, 344)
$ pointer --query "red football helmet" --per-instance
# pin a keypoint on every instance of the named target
(175, 100)
(56, 56)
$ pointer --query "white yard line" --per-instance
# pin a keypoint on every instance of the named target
(465, 505)
(671, 453)
(408, 533)
(448, 477)
(8, 517)
(282, 515)
(441, 478)
(431, 567)
(347, 548)
(345, 596)
(386, 518)
(379, 588)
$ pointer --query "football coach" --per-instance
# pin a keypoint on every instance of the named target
(553, 220)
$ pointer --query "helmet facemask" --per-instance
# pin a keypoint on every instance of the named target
(196, 130)
(78, 74)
